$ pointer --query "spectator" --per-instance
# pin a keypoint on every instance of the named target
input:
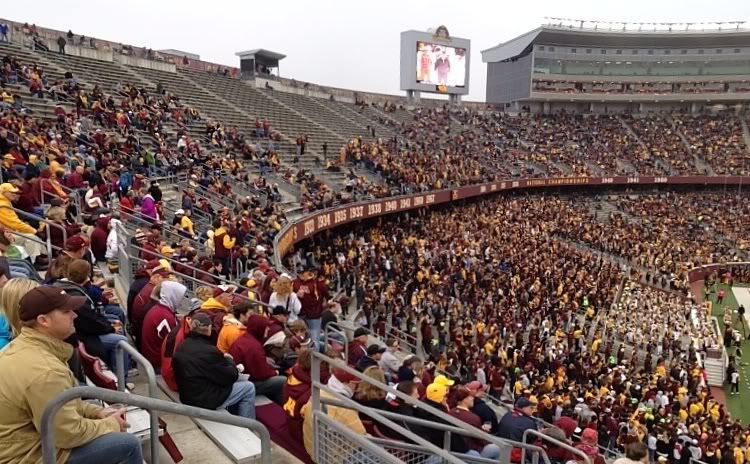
(248, 351)
(205, 377)
(369, 395)
(297, 392)
(146, 298)
(9, 220)
(480, 408)
(4, 32)
(464, 403)
(513, 424)
(358, 346)
(314, 295)
(283, 295)
(99, 238)
(589, 445)
(389, 362)
(10, 296)
(100, 333)
(160, 320)
(83, 430)
(436, 396)
(234, 325)
(169, 347)
(341, 383)
(61, 42)
(635, 453)
(372, 358)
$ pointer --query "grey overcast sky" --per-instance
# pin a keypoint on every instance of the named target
(350, 44)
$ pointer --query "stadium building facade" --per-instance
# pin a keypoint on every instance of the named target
(587, 69)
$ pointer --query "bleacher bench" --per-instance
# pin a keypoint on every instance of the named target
(238, 443)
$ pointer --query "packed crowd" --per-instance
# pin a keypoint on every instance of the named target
(488, 145)
(500, 305)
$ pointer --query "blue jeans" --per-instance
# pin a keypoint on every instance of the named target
(242, 396)
(314, 326)
(490, 451)
(110, 342)
(112, 448)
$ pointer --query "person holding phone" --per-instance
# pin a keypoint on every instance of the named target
(38, 359)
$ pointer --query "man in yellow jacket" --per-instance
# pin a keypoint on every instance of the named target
(23, 232)
(35, 372)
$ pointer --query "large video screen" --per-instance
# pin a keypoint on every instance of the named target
(439, 64)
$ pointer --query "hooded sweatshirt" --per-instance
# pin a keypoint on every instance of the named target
(248, 350)
(160, 320)
(148, 207)
(230, 332)
(111, 252)
(216, 311)
(99, 238)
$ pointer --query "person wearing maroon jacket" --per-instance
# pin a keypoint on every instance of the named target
(248, 351)
(462, 411)
(143, 302)
(297, 392)
(75, 179)
(168, 349)
(358, 346)
(160, 321)
(313, 294)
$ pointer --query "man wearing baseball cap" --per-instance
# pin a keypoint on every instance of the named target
(514, 424)
(480, 408)
(208, 378)
(38, 359)
(10, 220)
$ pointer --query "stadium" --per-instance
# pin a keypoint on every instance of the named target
(208, 263)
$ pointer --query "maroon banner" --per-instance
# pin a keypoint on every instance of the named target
(316, 222)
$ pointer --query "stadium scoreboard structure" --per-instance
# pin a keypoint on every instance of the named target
(434, 62)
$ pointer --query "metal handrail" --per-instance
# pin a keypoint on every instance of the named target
(543, 437)
(317, 358)
(343, 401)
(403, 337)
(34, 238)
(189, 278)
(49, 452)
(383, 456)
(153, 391)
(40, 219)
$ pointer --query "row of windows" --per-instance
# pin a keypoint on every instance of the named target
(602, 51)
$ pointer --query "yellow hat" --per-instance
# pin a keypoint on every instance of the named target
(8, 188)
(436, 392)
(8, 156)
(167, 250)
(444, 381)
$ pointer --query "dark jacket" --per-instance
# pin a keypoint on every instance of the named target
(204, 375)
(90, 323)
(248, 350)
(485, 412)
(514, 424)
(435, 436)
(364, 362)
